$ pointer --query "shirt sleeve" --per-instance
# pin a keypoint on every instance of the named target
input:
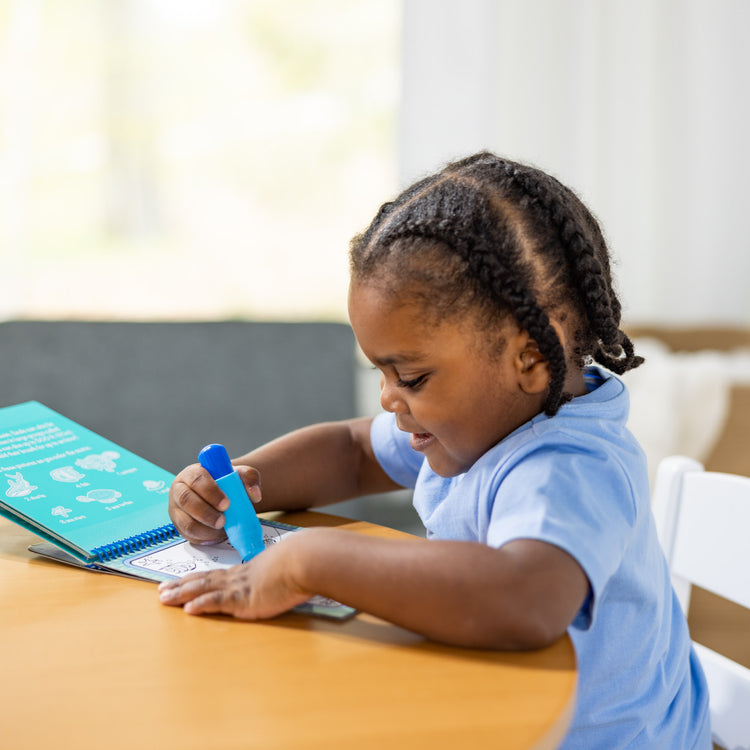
(581, 502)
(393, 452)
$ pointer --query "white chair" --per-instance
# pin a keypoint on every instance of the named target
(703, 521)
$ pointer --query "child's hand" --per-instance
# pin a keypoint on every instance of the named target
(196, 503)
(261, 588)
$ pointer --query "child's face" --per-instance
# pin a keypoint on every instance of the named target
(455, 397)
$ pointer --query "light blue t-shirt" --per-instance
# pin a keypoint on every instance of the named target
(579, 480)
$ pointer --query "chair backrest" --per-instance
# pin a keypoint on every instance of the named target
(703, 520)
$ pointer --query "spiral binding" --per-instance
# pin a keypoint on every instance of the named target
(136, 543)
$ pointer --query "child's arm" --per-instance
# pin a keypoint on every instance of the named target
(320, 464)
(523, 595)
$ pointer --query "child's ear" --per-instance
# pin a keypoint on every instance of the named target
(532, 369)
(532, 366)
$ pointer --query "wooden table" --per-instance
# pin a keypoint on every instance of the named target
(93, 661)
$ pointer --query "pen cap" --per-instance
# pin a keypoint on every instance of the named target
(215, 460)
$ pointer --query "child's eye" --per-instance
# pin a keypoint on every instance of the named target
(414, 384)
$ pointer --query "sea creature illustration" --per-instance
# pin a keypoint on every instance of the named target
(66, 474)
(104, 461)
(179, 568)
(59, 510)
(100, 496)
(152, 485)
(18, 486)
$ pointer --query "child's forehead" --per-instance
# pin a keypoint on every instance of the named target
(418, 302)
(380, 304)
(405, 322)
(383, 297)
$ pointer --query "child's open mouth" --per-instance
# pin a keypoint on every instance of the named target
(420, 441)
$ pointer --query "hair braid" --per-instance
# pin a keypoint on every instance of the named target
(507, 284)
(508, 239)
(585, 256)
(533, 319)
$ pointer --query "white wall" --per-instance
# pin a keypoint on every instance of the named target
(642, 106)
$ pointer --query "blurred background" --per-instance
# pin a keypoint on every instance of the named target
(206, 159)
(191, 159)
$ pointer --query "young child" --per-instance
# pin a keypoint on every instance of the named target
(483, 295)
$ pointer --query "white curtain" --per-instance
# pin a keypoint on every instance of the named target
(642, 106)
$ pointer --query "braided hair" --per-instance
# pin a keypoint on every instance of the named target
(505, 239)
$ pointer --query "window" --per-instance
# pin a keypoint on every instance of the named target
(166, 159)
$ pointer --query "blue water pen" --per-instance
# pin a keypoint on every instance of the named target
(242, 525)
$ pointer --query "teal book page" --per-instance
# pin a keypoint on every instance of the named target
(75, 487)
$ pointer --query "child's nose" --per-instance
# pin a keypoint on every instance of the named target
(390, 399)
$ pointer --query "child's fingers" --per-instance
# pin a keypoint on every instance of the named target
(197, 493)
(175, 583)
(195, 531)
(215, 592)
(252, 591)
(217, 601)
(185, 589)
(251, 479)
(196, 504)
